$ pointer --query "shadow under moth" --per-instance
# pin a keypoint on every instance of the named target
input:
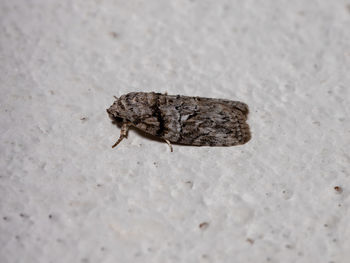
(183, 120)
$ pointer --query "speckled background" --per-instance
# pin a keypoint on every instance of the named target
(66, 196)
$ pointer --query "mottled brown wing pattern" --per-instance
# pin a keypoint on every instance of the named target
(205, 122)
(182, 119)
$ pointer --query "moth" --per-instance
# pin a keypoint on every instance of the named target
(183, 120)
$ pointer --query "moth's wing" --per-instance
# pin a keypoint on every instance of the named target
(150, 125)
(197, 121)
(209, 122)
(230, 103)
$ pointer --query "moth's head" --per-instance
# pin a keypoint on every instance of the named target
(116, 112)
(128, 107)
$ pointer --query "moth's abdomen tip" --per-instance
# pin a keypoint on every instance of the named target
(247, 137)
(244, 108)
(244, 135)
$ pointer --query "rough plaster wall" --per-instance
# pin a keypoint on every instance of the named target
(66, 196)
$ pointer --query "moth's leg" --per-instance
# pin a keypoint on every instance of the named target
(123, 133)
(169, 143)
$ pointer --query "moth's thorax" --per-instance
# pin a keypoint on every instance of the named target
(133, 106)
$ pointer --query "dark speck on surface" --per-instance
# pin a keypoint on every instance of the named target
(203, 225)
(338, 189)
(113, 34)
(251, 241)
(23, 215)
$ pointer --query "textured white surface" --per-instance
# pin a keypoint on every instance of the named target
(66, 196)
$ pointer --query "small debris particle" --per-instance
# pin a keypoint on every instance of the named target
(5, 218)
(113, 34)
(203, 225)
(23, 215)
(250, 241)
(50, 216)
(99, 185)
(189, 183)
(338, 189)
(83, 119)
(325, 225)
(289, 246)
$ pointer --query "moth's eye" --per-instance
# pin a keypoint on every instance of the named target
(118, 119)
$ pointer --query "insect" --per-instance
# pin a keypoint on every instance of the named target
(181, 119)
